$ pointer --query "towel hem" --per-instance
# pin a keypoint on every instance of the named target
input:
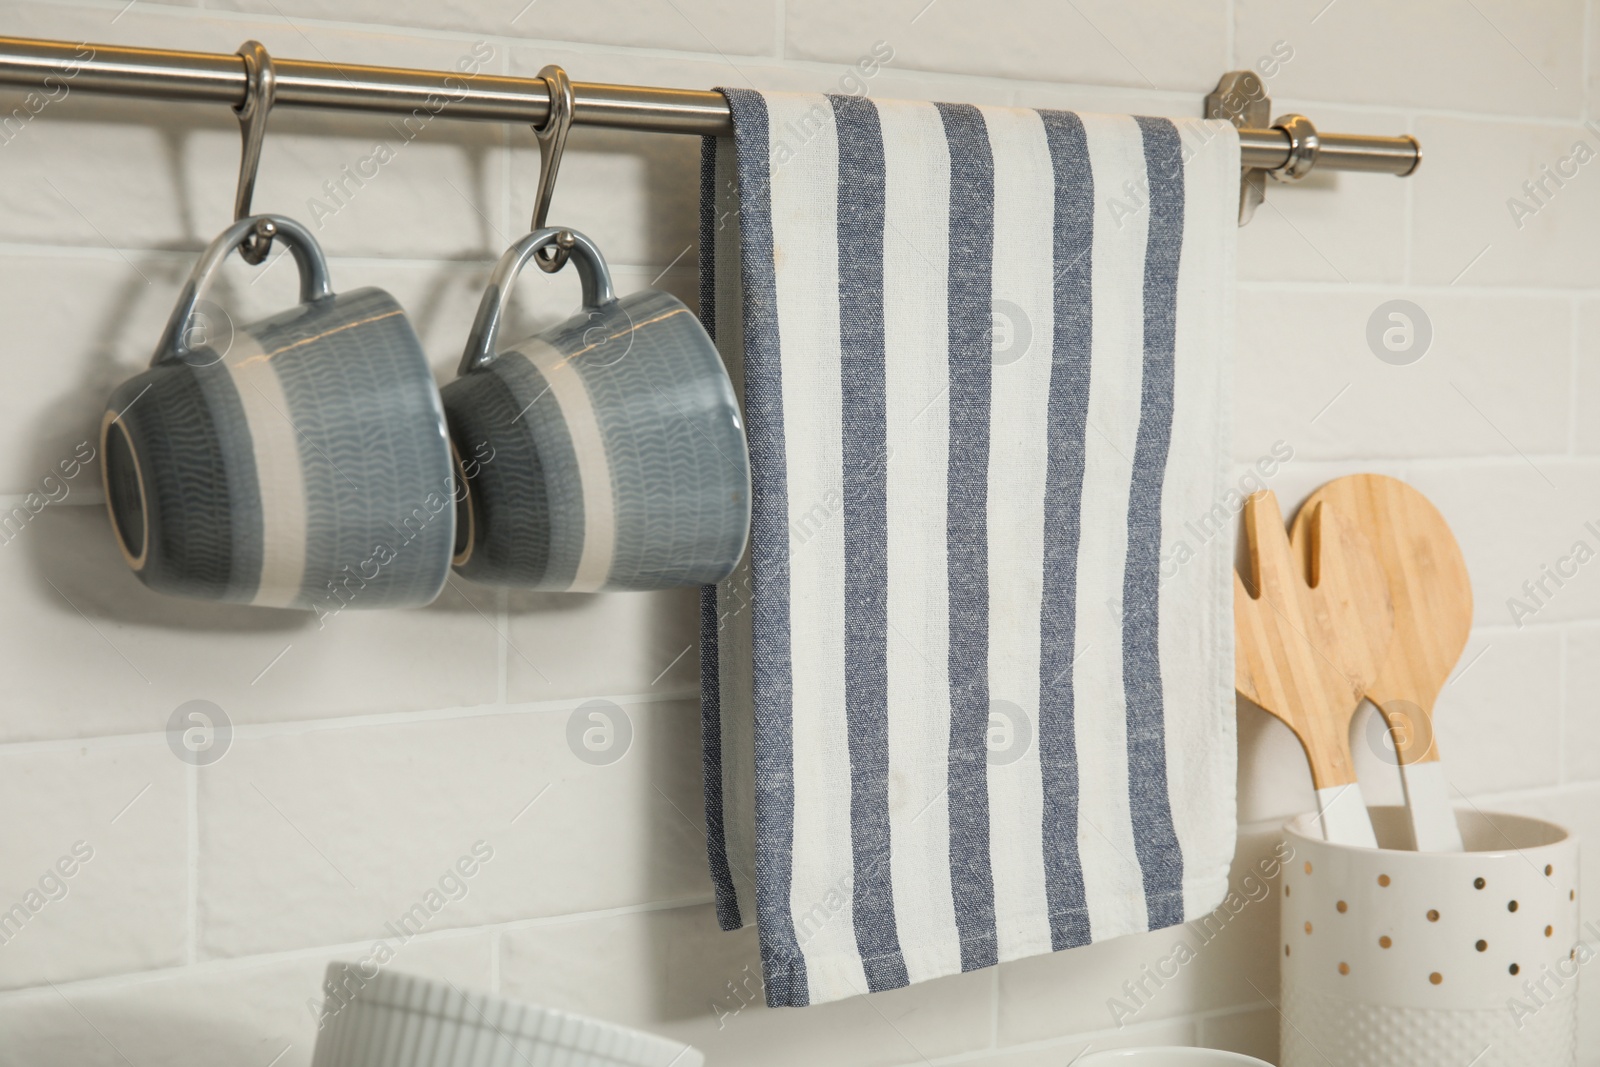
(794, 980)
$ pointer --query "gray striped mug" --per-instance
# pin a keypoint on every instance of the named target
(304, 465)
(605, 453)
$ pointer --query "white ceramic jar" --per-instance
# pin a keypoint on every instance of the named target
(1418, 958)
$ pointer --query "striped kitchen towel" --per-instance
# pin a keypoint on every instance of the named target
(970, 695)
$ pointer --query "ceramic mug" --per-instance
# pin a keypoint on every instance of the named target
(605, 453)
(305, 464)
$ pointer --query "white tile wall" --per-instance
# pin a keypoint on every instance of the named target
(1166, 44)
(99, 833)
(370, 755)
(676, 972)
(1475, 224)
(1493, 56)
(1496, 378)
(296, 851)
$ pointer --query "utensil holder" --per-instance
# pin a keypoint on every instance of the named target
(1413, 958)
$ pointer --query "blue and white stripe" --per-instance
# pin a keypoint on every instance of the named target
(965, 535)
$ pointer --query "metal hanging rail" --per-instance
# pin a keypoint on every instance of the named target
(220, 78)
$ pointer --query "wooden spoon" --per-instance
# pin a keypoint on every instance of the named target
(1309, 644)
(1432, 601)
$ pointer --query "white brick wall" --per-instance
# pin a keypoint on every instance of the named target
(368, 756)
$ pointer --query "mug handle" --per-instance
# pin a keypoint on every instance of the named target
(307, 255)
(486, 328)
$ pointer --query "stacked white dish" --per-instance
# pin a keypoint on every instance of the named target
(383, 1019)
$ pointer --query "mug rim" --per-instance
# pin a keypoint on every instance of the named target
(136, 562)
(460, 470)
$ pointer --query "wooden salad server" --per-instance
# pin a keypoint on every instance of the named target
(1310, 642)
(1431, 595)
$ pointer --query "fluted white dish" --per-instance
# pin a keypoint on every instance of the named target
(400, 1020)
(1169, 1057)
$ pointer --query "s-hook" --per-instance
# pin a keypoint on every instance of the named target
(552, 137)
(260, 85)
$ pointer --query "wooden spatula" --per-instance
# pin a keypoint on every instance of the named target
(1432, 599)
(1309, 644)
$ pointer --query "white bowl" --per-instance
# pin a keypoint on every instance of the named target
(374, 1018)
(1168, 1057)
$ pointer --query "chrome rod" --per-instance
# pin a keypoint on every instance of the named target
(1269, 150)
(219, 78)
